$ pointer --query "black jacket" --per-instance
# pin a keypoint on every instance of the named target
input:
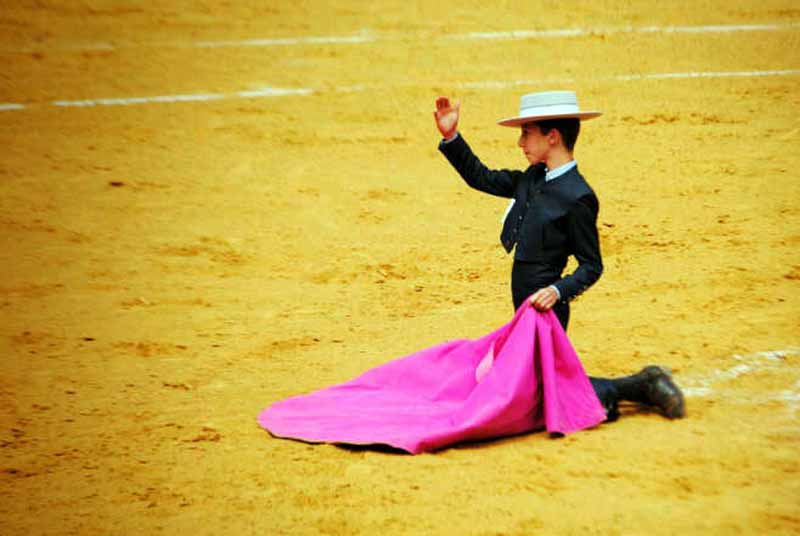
(549, 220)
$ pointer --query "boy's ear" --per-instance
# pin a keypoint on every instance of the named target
(554, 137)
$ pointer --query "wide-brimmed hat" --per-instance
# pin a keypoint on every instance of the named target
(547, 105)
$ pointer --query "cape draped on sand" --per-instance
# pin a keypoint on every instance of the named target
(523, 376)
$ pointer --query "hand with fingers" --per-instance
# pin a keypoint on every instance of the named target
(544, 299)
(446, 116)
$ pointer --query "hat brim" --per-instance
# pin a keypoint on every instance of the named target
(521, 120)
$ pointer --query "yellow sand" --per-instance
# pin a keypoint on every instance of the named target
(257, 248)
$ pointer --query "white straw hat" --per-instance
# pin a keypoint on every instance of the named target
(547, 105)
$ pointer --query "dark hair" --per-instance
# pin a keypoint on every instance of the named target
(569, 128)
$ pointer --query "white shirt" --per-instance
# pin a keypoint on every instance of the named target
(560, 170)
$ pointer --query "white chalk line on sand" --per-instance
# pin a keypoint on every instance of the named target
(746, 364)
(285, 41)
(492, 84)
(504, 84)
(368, 37)
(198, 97)
(610, 30)
(139, 100)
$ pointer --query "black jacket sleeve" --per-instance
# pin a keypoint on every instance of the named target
(584, 242)
(496, 182)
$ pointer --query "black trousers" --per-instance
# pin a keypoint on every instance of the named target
(527, 278)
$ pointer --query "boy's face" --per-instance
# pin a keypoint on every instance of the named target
(534, 144)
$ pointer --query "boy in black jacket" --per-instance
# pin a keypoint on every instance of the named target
(552, 215)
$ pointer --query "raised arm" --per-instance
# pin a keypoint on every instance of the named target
(495, 182)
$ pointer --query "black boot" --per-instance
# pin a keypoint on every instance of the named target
(608, 396)
(653, 386)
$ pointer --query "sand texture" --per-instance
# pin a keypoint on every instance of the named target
(171, 267)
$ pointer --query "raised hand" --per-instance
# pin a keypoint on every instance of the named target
(446, 116)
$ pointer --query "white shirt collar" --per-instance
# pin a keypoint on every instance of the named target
(560, 170)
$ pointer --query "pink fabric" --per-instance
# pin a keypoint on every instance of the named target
(523, 376)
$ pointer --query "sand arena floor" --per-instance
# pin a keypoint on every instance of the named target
(172, 265)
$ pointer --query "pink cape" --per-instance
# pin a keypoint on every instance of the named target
(523, 376)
